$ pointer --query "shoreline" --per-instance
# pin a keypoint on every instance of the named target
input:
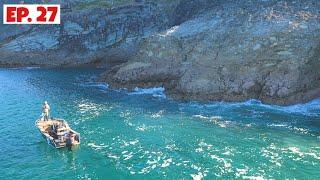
(186, 98)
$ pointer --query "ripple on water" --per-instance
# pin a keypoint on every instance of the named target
(130, 135)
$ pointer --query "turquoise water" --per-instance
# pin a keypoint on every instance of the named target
(143, 135)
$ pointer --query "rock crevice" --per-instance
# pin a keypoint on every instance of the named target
(234, 52)
(230, 50)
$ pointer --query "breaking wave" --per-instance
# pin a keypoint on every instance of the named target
(311, 108)
(26, 68)
(99, 85)
(155, 91)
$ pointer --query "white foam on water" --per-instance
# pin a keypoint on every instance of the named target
(142, 128)
(271, 152)
(158, 114)
(277, 125)
(89, 110)
(305, 109)
(134, 142)
(228, 151)
(209, 118)
(155, 91)
(253, 177)
(166, 163)
(99, 85)
(295, 150)
(301, 130)
(155, 159)
(31, 67)
(295, 129)
(26, 68)
(226, 165)
(296, 154)
(201, 116)
(87, 107)
(125, 114)
(113, 156)
(195, 167)
(199, 149)
(311, 108)
(313, 155)
(198, 176)
(128, 156)
(97, 147)
(203, 146)
(172, 147)
(152, 162)
(215, 120)
(242, 172)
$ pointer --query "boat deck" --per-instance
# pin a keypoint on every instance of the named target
(55, 131)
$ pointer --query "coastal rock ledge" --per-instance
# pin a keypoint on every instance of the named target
(232, 51)
(221, 50)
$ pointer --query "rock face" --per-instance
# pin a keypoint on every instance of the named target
(232, 51)
(93, 35)
(206, 50)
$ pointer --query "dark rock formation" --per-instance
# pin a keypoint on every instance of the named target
(229, 50)
(233, 51)
(94, 35)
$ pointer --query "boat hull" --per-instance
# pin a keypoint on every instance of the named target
(55, 137)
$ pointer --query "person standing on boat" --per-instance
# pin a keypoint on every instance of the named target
(46, 111)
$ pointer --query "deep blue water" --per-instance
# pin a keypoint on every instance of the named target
(143, 135)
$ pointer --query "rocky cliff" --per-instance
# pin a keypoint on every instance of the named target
(91, 31)
(233, 51)
(197, 49)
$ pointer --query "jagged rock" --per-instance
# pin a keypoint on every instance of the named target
(229, 50)
(91, 35)
(268, 50)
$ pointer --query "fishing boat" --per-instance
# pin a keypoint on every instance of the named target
(58, 133)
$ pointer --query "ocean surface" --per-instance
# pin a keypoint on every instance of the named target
(145, 135)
